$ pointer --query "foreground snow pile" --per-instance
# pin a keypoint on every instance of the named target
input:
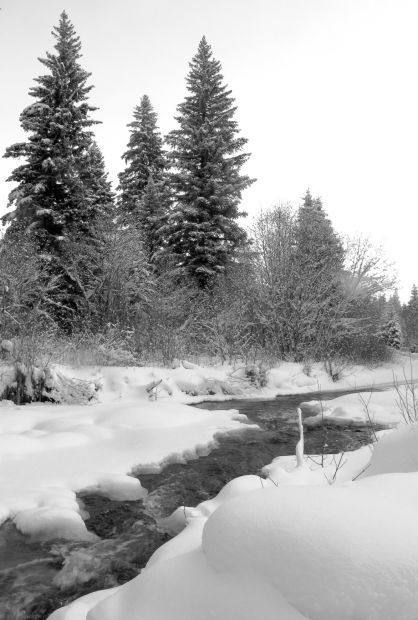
(273, 549)
(49, 452)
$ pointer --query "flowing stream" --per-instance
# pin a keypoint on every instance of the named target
(37, 578)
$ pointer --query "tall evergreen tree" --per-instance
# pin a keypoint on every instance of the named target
(62, 193)
(395, 302)
(202, 233)
(81, 255)
(144, 158)
(410, 315)
(391, 332)
(96, 181)
(319, 251)
(318, 264)
(52, 199)
(151, 217)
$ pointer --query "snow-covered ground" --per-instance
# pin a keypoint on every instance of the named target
(290, 546)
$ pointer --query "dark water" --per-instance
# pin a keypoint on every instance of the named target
(37, 578)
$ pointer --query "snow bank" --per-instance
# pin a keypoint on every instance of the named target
(190, 383)
(291, 378)
(333, 552)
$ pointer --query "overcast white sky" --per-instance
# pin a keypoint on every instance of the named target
(327, 94)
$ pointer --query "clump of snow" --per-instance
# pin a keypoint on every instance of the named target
(396, 452)
(333, 552)
(119, 488)
(46, 522)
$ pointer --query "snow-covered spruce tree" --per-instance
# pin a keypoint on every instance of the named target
(61, 190)
(144, 158)
(410, 316)
(51, 197)
(391, 332)
(318, 266)
(202, 233)
(151, 216)
(96, 181)
(318, 249)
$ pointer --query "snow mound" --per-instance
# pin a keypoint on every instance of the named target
(333, 552)
(80, 607)
(119, 488)
(47, 522)
(193, 591)
(396, 452)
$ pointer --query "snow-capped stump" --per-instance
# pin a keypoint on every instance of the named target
(152, 389)
(333, 552)
(61, 389)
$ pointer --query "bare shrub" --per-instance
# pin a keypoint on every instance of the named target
(407, 395)
(111, 347)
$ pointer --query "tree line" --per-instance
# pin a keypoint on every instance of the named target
(162, 268)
